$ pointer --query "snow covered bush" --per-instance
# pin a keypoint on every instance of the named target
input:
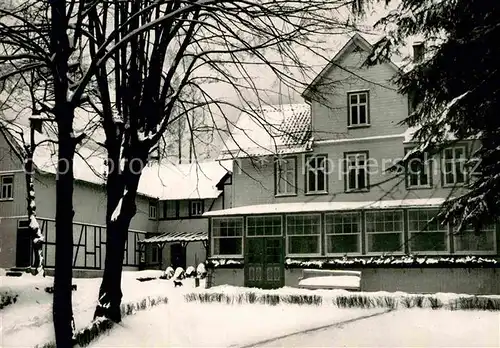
(179, 273)
(190, 272)
(169, 272)
(7, 298)
(201, 271)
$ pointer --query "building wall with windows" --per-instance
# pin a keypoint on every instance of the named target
(357, 137)
(368, 180)
(357, 101)
(89, 231)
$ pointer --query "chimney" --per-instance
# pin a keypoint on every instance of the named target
(418, 51)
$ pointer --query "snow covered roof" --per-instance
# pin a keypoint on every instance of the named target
(306, 207)
(279, 129)
(197, 180)
(176, 237)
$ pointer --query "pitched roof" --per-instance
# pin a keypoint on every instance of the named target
(279, 129)
(197, 180)
(356, 41)
(170, 237)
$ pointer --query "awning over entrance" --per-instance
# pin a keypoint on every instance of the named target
(303, 207)
(176, 237)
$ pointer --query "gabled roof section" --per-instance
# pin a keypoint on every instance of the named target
(356, 42)
(273, 130)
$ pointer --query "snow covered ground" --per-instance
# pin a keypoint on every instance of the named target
(199, 320)
(179, 324)
(28, 322)
(406, 328)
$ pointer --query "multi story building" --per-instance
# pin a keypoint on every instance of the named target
(311, 188)
(170, 201)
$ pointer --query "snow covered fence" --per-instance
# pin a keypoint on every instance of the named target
(87, 334)
(343, 299)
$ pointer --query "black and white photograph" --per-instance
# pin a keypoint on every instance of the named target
(249, 173)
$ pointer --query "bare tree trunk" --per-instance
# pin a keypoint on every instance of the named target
(62, 306)
(122, 190)
(34, 227)
(64, 114)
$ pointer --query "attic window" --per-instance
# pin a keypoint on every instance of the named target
(358, 109)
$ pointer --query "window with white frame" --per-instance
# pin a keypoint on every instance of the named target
(285, 176)
(425, 231)
(7, 187)
(196, 208)
(479, 242)
(316, 174)
(258, 226)
(343, 231)
(227, 236)
(356, 171)
(454, 165)
(418, 172)
(303, 234)
(358, 109)
(152, 210)
(384, 231)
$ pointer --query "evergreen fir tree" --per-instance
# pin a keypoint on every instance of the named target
(454, 89)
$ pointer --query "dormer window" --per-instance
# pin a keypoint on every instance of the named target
(358, 109)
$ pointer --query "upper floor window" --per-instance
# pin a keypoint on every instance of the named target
(356, 171)
(358, 114)
(7, 187)
(152, 210)
(418, 172)
(453, 167)
(285, 175)
(316, 174)
(196, 208)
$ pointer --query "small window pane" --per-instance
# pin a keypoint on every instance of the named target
(362, 114)
(354, 115)
(362, 98)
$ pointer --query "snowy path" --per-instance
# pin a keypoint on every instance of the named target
(406, 328)
(180, 324)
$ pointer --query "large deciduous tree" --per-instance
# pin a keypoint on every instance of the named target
(35, 38)
(154, 63)
(455, 91)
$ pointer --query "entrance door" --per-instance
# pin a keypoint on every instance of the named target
(178, 256)
(23, 248)
(264, 265)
